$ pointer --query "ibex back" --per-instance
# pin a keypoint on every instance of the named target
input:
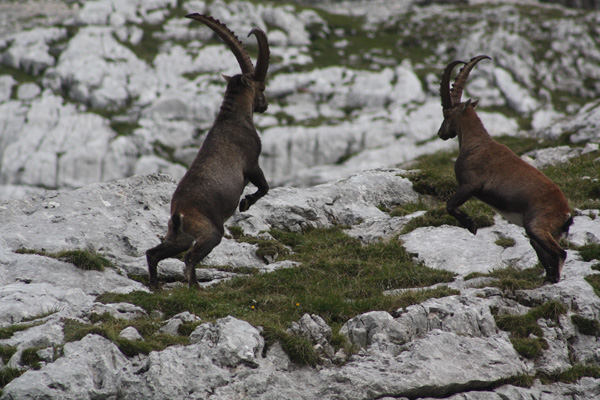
(494, 174)
(209, 192)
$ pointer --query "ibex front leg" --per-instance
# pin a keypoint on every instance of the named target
(463, 193)
(257, 178)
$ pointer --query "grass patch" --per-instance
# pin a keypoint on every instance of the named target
(477, 210)
(299, 350)
(418, 296)
(573, 179)
(339, 278)
(407, 209)
(594, 280)
(505, 242)
(30, 357)
(573, 375)
(586, 326)
(8, 331)
(6, 352)
(268, 250)
(435, 176)
(531, 348)
(87, 260)
(109, 327)
(522, 326)
(7, 375)
(589, 252)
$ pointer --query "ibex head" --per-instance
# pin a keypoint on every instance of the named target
(451, 105)
(250, 77)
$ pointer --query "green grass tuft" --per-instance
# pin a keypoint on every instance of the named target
(6, 352)
(109, 327)
(594, 280)
(586, 326)
(7, 375)
(87, 260)
(531, 348)
(573, 375)
(299, 350)
(573, 179)
(589, 252)
(524, 381)
(84, 259)
(7, 331)
(406, 209)
(267, 249)
(436, 175)
(30, 357)
(505, 242)
(522, 326)
(338, 278)
(512, 279)
(478, 211)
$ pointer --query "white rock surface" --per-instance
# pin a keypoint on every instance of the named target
(325, 125)
(398, 355)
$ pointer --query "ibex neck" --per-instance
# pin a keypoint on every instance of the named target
(236, 107)
(471, 130)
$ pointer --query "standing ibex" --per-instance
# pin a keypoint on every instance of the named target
(208, 193)
(494, 174)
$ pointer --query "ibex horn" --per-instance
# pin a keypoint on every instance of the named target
(229, 38)
(461, 78)
(445, 84)
(262, 60)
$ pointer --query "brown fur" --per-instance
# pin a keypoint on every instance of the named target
(209, 192)
(494, 174)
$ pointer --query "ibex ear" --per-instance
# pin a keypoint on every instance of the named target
(475, 103)
(226, 77)
(465, 105)
(246, 81)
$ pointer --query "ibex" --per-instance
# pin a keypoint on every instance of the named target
(208, 193)
(494, 174)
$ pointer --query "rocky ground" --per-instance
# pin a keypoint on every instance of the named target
(104, 103)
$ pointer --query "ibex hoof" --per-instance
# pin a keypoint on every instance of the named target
(244, 204)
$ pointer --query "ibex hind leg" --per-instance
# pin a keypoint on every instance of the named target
(205, 242)
(167, 249)
(550, 255)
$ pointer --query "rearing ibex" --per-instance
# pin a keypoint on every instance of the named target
(208, 193)
(494, 174)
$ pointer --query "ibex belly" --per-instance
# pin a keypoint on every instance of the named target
(512, 217)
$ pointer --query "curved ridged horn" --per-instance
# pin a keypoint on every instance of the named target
(229, 38)
(445, 84)
(461, 78)
(262, 60)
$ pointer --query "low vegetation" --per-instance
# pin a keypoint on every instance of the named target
(339, 278)
(510, 278)
(526, 334)
(87, 260)
(8, 331)
(109, 327)
(586, 326)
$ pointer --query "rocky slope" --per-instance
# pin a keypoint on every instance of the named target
(101, 90)
(107, 102)
(450, 346)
